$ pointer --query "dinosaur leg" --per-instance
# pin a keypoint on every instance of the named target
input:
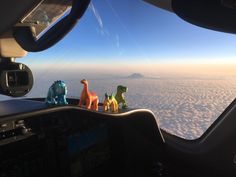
(104, 107)
(88, 103)
(95, 104)
(64, 99)
(50, 97)
(81, 102)
(124, 105)
(59, 100)
(113, 109)
(116, 106)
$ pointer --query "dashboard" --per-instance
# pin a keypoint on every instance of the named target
(69, 141)
(40, 141)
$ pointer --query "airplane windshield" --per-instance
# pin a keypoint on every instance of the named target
(183, 73)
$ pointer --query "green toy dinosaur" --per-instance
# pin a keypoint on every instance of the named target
(120, 98)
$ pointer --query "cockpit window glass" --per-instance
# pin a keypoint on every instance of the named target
(185, 74)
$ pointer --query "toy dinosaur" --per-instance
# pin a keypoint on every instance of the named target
(110, 103)
(90, 99)
(57, 94)
(120, 98)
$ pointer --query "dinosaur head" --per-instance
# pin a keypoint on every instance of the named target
(109, 98)
(84, 81)
(122, 89)
(106, 96)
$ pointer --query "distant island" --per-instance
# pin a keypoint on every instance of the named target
(136, 76)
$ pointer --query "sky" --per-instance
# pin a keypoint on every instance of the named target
(130, 33)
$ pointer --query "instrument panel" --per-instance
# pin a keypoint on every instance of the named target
(50, 142)
(72, 142)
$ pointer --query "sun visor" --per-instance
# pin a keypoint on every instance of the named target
(164, 4)
(9, 48)
(217, 15)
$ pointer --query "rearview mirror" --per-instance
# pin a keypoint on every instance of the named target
(16, 79)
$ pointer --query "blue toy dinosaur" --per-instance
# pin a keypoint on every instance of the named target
(57, 94)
